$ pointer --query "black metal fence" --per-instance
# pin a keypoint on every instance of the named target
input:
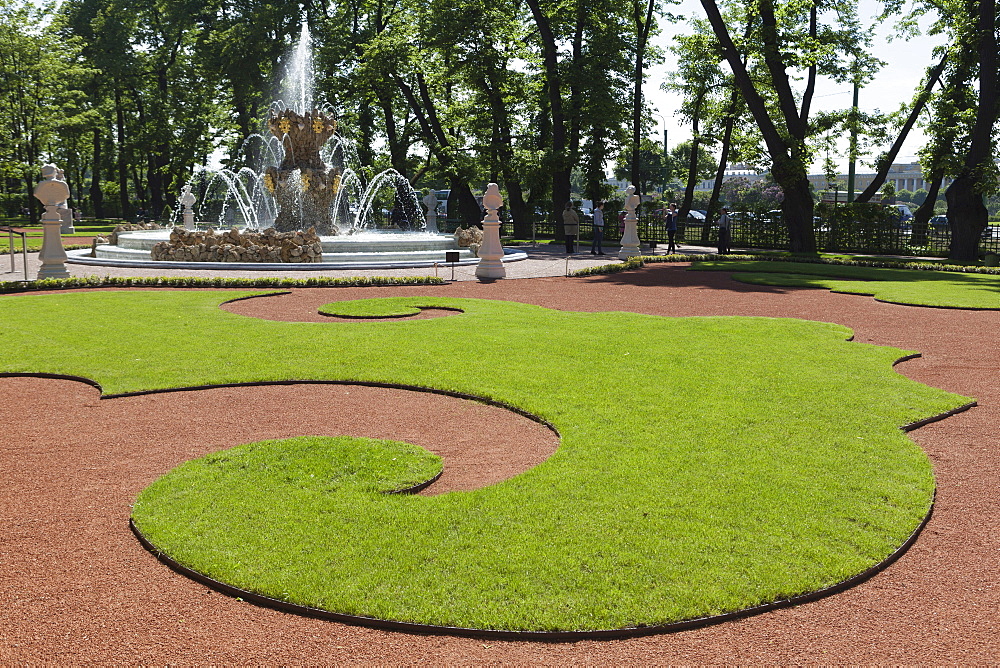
(837, 230)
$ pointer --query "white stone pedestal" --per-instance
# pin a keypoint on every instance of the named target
(491, 252)
(431, 202)
(66, 220)
(187, 200)
(630, 237)
(51, 192)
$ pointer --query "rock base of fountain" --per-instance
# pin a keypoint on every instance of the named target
(471, 238)
(236, 246)
(130, 227)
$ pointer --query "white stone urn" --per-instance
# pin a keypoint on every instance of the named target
(491, 252)
(431, 202)
(52, 191)
(630, 238)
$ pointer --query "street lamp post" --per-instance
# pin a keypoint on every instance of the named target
(666, 165)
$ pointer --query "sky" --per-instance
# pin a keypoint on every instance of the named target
(895, 84)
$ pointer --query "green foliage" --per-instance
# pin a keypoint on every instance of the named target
(217, 282)
(792, 476)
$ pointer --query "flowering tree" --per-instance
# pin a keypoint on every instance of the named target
(758, 196)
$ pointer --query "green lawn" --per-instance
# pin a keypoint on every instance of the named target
(758, 459)
(946, 289)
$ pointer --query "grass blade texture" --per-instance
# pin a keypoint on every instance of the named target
(756, 459)
(943, 289)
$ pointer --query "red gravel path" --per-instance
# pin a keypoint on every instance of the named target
(76, 587)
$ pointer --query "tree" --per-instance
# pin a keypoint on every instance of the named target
(704, 162)
(977, 175)
(572, 80)
(239, 45)
(790, 38)
(37, 72)
(643, 24)
(698, 78)
(644, 168)
(885, 161)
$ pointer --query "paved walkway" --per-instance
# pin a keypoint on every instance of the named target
(543, 260)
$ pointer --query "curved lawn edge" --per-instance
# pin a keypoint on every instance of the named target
(54, 376)
(535, 636)
(940, 306)
(362, 383)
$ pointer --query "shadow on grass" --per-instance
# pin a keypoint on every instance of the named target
(943, 289)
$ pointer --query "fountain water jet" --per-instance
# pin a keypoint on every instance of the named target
(303, 179)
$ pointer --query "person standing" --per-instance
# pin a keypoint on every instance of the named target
(725, 223)
(595, 246)
(671, 220)
(571, 226)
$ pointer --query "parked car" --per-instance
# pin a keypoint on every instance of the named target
(939, 221)
(696, 216)
(905, 215)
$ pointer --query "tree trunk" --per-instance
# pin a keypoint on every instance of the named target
(966, 212)
(126, 209)
(366, 121)
(641, 21)
(885, 162)
(246, 117)
(967, 216)
(29, 189)
(462, 201)
(727, 140)
(693, 169)
(397, 150)
(561, 169)
(797, 213)
(922, 216)
(504, 145)
(96, 194)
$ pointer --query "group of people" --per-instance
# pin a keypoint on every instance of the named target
(571, 227)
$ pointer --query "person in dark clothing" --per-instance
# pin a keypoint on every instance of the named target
(670, 218)
(571, 226)
(595, 246)
(724, 225)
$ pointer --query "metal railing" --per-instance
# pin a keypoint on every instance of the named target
(24, 248)
(763, 232)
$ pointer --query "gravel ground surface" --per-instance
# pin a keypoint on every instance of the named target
(75, 586)
(543, 260)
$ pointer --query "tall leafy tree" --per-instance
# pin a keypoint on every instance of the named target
(885, 161)
(643, 27)
(792, 40)
(240, 45)
(37, 72)
(976, 176)
(571, 38)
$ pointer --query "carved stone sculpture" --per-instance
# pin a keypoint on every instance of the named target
(491, 252)
(630, 238)
(187, 201)
(303, 186)
(51, 192)
(65, 213)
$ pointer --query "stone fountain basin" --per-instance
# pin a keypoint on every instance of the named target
(376, 250)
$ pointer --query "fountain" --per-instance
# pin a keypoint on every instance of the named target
(302, 181)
